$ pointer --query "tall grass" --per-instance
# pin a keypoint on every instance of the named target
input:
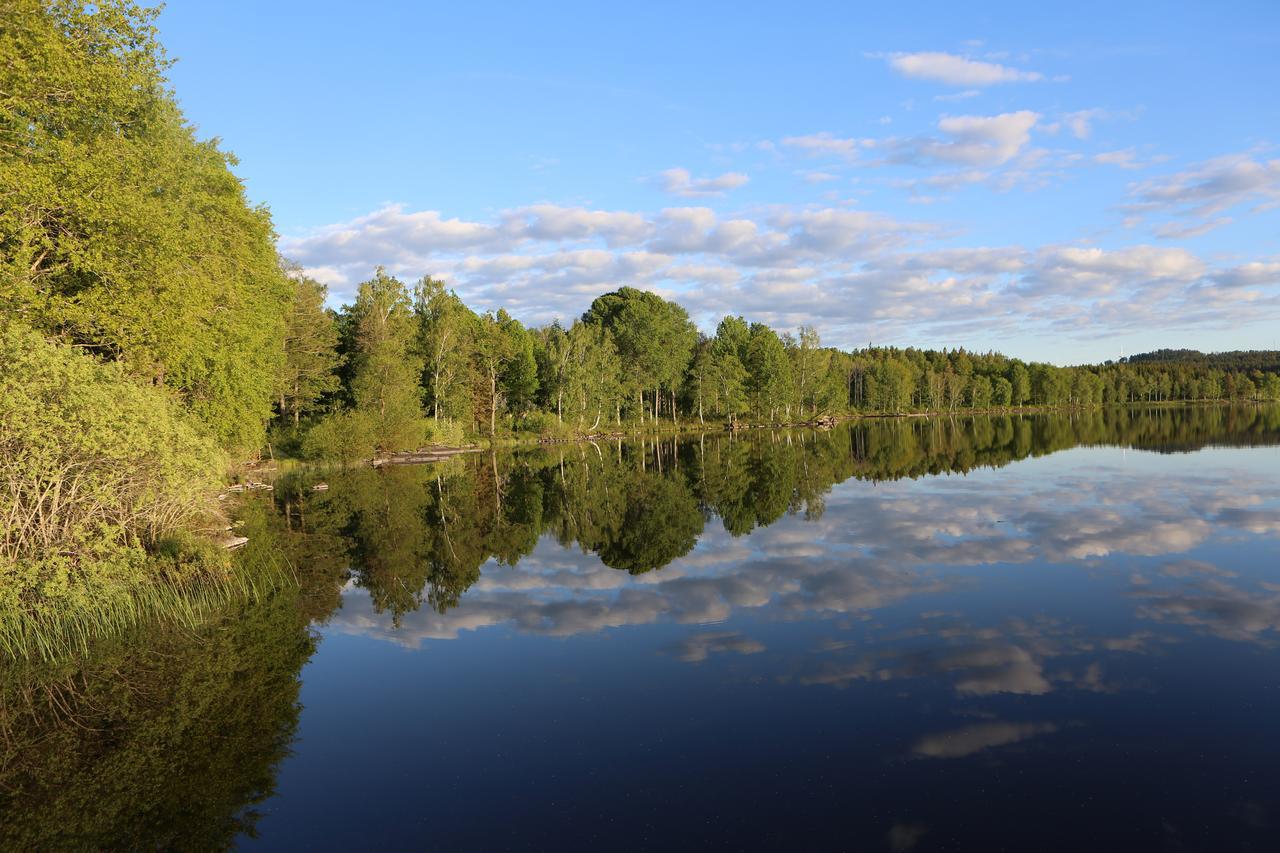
(59, 633)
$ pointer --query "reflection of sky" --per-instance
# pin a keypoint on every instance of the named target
(1125, 515)
(1080, 644)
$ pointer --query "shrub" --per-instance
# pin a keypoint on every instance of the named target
(445, 432)
(95, 469)
(346, 436)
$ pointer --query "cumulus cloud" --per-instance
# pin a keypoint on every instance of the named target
(1255, 274)
(1096, 272)
(857, 273)
(969, 140)
(680, 182)
(1209, 189)
(954, 70)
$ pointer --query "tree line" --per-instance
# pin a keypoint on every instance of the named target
(403, 366)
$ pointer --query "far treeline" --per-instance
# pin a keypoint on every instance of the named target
(404, 366)
(150, 335)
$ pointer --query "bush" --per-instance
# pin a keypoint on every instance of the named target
(346, 436)
(95, 469)
(446, 432)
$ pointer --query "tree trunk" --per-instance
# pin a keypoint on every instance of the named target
(493, 404)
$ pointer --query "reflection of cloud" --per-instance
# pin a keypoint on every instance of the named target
(982, 669)
(1193, 568)
(560, 593)
(1086, 533)
(905, 836)
(968, 740)
(1262, 522)
(697, 647)
(977, 669)
(1217, 607)
(873, 550)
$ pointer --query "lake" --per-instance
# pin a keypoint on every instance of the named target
(1052, 632)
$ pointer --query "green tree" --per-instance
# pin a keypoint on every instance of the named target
(123, 234)
(310, 351)
(520, 373)
(385, 385)
(444, 338)
(654, 338)
(491, 353)
(769, 379)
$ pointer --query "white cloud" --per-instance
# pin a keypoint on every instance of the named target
(955, 70)
(818, 177)
(1092, 271)
(827, 144)
(966, 141)
(1208, 189)
(1125, 158)
(1080, 123)
(958, 96)
(680, 182)
(856, 273)
(1255, 274)
(553, 222)
(982, 140)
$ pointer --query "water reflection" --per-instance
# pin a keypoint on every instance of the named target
(416, 536)
(752, 634)
(168, 741)
(420, 536)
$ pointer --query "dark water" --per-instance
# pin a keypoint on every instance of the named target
(998, 633)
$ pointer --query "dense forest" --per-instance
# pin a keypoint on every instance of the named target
(415, 365)
(1236, 361)
(151, 336)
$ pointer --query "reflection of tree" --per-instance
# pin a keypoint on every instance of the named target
(422, 534)
(166, 741)
(662, 522)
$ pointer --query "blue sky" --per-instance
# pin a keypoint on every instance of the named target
(1057, 181)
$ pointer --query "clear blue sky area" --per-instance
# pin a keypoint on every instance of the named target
(1058, 181)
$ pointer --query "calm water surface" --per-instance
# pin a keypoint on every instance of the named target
(997, 633)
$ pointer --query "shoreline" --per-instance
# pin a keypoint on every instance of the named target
(439, 453)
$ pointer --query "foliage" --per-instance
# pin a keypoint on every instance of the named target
(119, 230)
(384, 387)
(94, 470)
(346, 436)
(635, 357)
(311, 356)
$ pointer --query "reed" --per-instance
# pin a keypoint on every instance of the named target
(56, 633)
